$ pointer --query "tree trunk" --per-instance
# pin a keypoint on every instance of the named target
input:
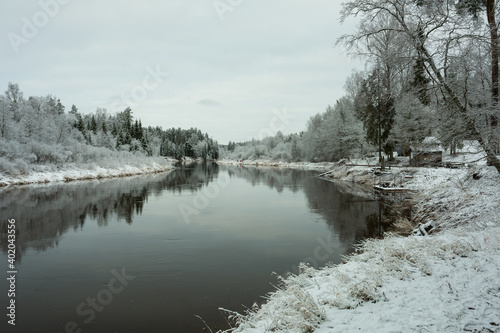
(379, 139)
(491, 157)
(490, 14)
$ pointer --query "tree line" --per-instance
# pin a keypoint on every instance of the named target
(431, 70)
(438, 60)
(37, 131)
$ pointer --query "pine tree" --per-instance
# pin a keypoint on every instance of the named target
(79, 123)
(128, 118)
(133, 133)
(74, 110)
(420, 82)
(93, 125)
(295, 150)
(140, 131)
(114, 131)
(376, 107)
(59, 107)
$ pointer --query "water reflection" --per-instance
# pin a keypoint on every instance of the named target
(275, 178)
(344, 203)
(264, 220)
(45, 213)
(339, 204)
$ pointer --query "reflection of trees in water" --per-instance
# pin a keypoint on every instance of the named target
(44, 213)
(193, 177)
(349, 210)
(275, 178)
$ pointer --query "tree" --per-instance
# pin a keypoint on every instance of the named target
(140, 131)
(420, 82)
(474, 7)
(93, 125)
(5, 117)
(375, 106)
(114, 130)
(412, 120)
(348, 128)
(387, 54)
(295, 150)
(314, 140)
(79, 123)
(14, 97)
(59, 107)
(330, 136)
(231, 146)
(74, 110)
(442, 28)
(125, 119)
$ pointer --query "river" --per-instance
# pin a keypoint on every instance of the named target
(162, 253)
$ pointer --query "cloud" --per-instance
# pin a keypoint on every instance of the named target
(226, 76)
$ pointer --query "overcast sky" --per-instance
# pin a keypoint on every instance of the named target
(227, 67)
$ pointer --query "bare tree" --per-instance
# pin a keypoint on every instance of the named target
(441, 27)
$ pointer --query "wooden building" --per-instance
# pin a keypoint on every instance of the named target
(428, 153)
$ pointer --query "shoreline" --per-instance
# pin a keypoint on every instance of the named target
(442, 282)
(280, 164)
(71, 174)
(446, 281)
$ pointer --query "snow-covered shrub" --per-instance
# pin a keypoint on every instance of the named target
(281, 152)
(46, 153)
(292, 307)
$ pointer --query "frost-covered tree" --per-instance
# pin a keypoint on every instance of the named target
(435, 31)
(315, 140)
(420, 82)
(295, 149)
(6, 118)
(413, 121)
(375, 105)
(36, 131)
(335, 134)
(74, 110)
(474, 8)
(14, 97)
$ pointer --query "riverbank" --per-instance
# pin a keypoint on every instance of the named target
(280, 164)
(73, 172)
(444, 282)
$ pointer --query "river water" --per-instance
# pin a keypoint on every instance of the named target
(157, 253)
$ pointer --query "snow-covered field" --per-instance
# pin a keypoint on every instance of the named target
(76, 172)
(445, 282)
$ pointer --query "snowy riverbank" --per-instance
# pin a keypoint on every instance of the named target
(74, 172)
(445, 282)
(280, 164)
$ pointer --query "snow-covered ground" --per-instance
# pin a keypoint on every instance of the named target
(76, 172)
(445, 282)
(280, 164)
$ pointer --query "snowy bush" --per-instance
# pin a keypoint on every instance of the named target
(291, 307)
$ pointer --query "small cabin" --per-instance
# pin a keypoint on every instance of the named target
(428, 153)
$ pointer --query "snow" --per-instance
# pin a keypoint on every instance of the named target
(74, 172)
(444, 282)
(280, 164)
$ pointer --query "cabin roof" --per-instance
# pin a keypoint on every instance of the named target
(428, 145)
